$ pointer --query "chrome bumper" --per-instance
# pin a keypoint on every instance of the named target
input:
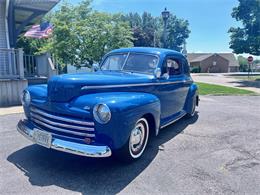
(67, 146)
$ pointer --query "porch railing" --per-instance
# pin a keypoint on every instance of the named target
(30, 66)
(39, 65)
(11, 63)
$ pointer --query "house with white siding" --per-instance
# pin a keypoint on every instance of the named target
(17, 16)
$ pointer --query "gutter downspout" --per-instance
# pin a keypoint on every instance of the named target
(6, 24)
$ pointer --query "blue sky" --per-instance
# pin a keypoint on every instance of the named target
(209, 19)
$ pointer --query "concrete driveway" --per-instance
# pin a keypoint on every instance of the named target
(216, 152)
(226, 80)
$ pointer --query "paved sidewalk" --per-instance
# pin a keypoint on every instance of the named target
(11, 110)
(220, 79)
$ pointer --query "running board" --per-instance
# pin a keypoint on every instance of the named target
(179, 117)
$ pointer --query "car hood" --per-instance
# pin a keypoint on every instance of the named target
(65, 87)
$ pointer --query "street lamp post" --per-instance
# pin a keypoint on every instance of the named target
(165, 16)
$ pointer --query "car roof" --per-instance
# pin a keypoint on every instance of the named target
(151, 50)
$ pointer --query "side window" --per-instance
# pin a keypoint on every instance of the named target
(186, 67)
(172, 66)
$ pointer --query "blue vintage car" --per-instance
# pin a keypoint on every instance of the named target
(134, 93)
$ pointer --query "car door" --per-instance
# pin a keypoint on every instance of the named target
(172, 90)
(186, 75)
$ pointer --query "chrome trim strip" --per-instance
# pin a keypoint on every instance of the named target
(81, 149)
(188, 81)
(182, 115)
(62, 118)
(68, 146)
(62, 130)
(125, 60)
(26, 132)
(60, 124)
(129, 85)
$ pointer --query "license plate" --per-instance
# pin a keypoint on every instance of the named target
(42, 138)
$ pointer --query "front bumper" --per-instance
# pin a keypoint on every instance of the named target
(67, 146)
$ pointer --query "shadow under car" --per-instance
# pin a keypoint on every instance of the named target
(45, 167)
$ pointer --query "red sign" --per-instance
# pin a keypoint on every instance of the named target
(250, 59)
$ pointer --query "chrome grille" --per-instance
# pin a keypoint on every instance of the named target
(73, 127)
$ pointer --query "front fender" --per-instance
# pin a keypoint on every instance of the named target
(38, 92)
(38, 95)
(126, 109)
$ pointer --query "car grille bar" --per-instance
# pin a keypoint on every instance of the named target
(75, 127)
(65, 119)
(36, 116)
(62, 130)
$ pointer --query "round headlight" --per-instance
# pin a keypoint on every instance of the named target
(102, 113)
(26, 98)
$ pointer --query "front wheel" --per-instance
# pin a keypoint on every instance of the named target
(137, 142)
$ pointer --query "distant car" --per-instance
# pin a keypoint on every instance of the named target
(134, 93)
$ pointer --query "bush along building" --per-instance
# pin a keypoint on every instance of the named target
(213, 62)
(16, 68)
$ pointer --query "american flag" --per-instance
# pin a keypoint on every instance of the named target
(43, 30)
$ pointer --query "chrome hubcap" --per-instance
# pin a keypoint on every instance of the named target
(138, 138)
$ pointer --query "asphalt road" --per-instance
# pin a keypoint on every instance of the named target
(216, 152)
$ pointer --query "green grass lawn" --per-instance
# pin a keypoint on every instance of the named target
(210, 89)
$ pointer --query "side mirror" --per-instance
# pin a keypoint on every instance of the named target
(95, 67)
(157, 73)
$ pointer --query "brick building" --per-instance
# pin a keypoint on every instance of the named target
(213, 62)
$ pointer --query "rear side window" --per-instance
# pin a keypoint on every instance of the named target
(186, 67)
(172, 66)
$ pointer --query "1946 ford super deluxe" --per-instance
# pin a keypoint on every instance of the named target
(134, 93)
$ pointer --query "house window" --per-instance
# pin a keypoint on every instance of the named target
(214, 63)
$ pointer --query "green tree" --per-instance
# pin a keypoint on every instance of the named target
(143, 28)
(243, 64)
(177, 32)
(82, 36)
(148, 30)
(246, 39)
(30, 45)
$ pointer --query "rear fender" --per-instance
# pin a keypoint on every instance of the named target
(193, 93)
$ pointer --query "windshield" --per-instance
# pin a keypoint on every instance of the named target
(141, 63)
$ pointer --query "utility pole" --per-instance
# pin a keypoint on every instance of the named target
(154, 38)
(184, 50)
(165, 16)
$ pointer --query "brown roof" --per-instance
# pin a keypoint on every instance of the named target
(197, 57)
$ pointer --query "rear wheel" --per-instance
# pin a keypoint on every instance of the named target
(137, 142)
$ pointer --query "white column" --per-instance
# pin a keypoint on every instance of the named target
(20, 65)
